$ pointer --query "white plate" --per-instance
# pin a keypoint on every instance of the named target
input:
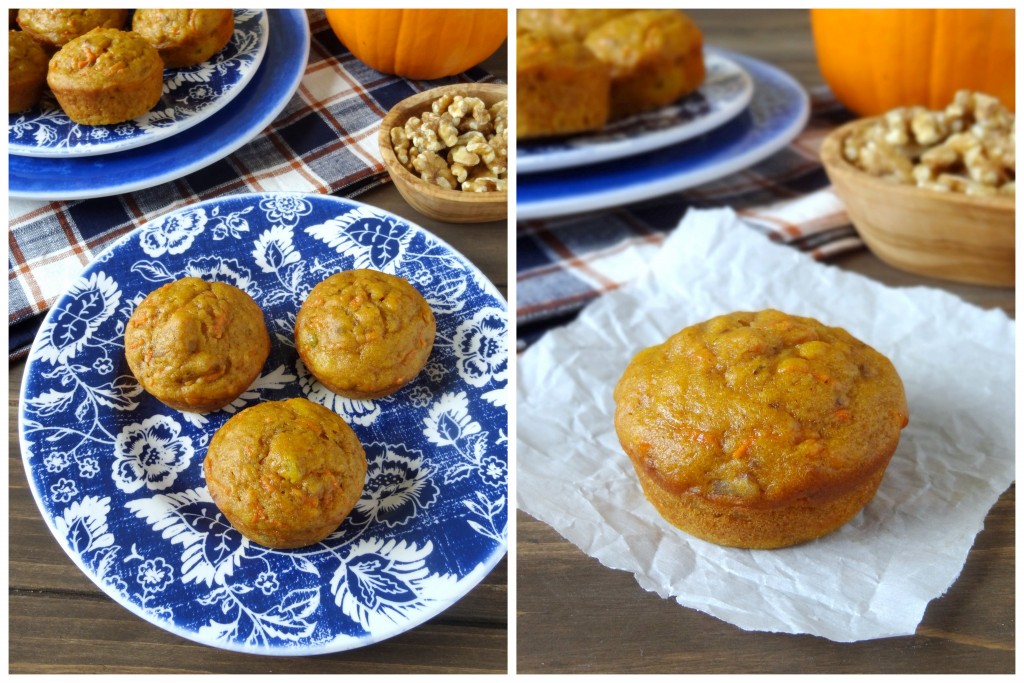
(726, 91)
(118, 476)
(191, 95)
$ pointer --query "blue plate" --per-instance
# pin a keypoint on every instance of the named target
(252, 110)
(191, 95)
(777, 112)
(118, 476)
(726, 91)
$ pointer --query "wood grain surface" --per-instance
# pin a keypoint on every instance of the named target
(575, 615)
(60, 622)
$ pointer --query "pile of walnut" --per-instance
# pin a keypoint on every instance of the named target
(967, 147)
(461, 143)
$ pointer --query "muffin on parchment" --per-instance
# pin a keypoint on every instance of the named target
(196, 345)
(54, 28)
(364, 334)
(185, 37)
(760, 430)
(26, 71)
(285, 473)
(106, 76)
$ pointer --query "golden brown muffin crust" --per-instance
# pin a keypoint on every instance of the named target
(285, 473)
(185, 37)
(56, 27)
(196, 345)
(27, 63)
(364, 334)
(571, 23)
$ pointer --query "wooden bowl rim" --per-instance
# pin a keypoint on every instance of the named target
(834, 161)
(400, 174)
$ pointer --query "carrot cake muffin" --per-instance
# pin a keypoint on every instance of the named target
(26, 70)
(185, 37)
(196, 345)
(364, 334)
(655, 56)
(760, 430)
(55, 28)
(285, 473)
(106, 76)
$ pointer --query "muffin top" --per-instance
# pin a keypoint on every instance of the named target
(104, 57)
(628, 40)
(572, 23)
(57, 27)
(25, 57)
(760, 409)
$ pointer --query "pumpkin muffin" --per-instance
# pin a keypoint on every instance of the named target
(285, 473)
(562, 88)
(570, 23)
(655, 56)
(196, 345)
(26, 69)
(55, 28)
(106, 76)
(760, 430)
(185, 37)
(364, 334)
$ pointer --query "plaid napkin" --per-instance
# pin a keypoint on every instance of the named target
(325, 140)
(563, 263)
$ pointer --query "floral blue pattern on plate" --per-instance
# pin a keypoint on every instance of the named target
(258, 104)
(118, 476)
(777, 112)
(191, 95)
(726, 91)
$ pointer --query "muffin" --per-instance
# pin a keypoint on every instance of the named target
(196, 345)
(570, 23)
(106, 76)
(55, 28)
(562, 88)
(185, 37)
(26, 68)
(285, 473)
(759, 430)
(364, 334)
(655, 56)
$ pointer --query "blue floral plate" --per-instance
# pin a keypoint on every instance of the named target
(118, 476)
(191, 95)
(726, 91)
(777, 112)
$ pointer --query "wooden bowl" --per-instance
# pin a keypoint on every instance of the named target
(452, 206)
(946, 235)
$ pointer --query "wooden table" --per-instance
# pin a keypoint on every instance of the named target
(60, 622)
(575, 615)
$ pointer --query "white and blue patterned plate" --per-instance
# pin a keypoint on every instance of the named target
(191, 95)
(726, 91)
(258, 104)
(118, 476)
(777, 112)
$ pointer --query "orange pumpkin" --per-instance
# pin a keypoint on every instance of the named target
(875, 60)
(420, 43)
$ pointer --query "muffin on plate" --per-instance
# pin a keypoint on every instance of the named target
(106, 76)
(760, 430)
(54, 28)
(364, 334)
(185, 37)
(285, 473)
(196, 345)
(27, 62)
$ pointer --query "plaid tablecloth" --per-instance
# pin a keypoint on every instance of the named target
(563, 263)
(325, 140)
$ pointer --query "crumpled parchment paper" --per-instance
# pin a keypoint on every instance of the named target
(871, 579)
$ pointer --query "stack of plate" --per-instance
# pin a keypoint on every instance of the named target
(745, 111)
(206, 112)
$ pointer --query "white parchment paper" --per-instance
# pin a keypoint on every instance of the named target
(871, 579)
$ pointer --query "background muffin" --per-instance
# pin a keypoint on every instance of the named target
(285, 473)
(54, 28)
(760, 430)
(185, 37)
(196, 345)
(106, 76)
(26, 71)
(364, 334)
